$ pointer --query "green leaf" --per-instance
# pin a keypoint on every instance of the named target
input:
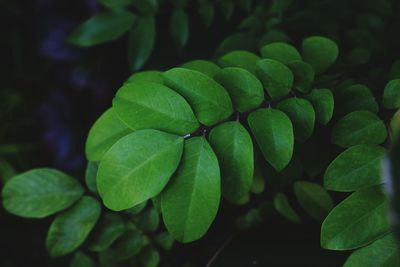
(320, 52)
(314, 199)
(353, 98)
(210, 101)
(80, 259)
(39, 193)
(284, 208)
(179, 27)
(90, 176)
(227, 8)
(237, 41)
(245, 89)
(395, 125)
(272, 36)
(273, 132)
(129, 245)
(357, 221)
(153, 76)
(71, 228)
(359, 127)
(302, 115)
(101, 28)
(275, 76)
(206, 67)
(115, 4)
(391, 94)
(355, 168)
(303, 75)
(141, 41)
(143, 105)
(111, 227)
(241, 59)
(234, 149)
(206, 13)
(148, 221)
(394, 72)
(281, 52)
(384, 252)
(136, 209)
(149, 257)
(107, 130)
(137, 168)
(190, 202)
(323, 103)
(146, 7)
(258, 185)
(164, 240)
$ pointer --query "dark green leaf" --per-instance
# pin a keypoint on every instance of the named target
(90, 175)
(320, 52)
(179, 27)
(391, 94)
(273, 132)
(190, 202)
(258, 185)
(237, 41)
(281, 52)
(129, 245)
(146, 7)
(71, 228)
(115, 4)
(39, 193)
(206, 67)
(242, 59)
(323, 103)
(148, 221)
(164, 240)
(303, 75)
(82, 260)
(206, 13)
(137, 168)
(359, 127)
(149, 257)
(210, 101)
(284, 208)
(353, 98)
(227, 8)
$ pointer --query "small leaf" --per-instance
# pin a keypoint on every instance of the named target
(302, 115)
(90, 176)
(190, 202)
(141, 41)
(71, 228)
(146, 7)
(355, 97)
(359, 127)
(391, 94)
(39, 193)
(275, 76)
(234, 149)
(206, 13)
(394, 72)
(227, 8)
(245, 89)
(210, 101)
(153, 76)
(320, 52)
(314, 199)
(355, 168)
(284, 208)
(395, 125)
(149, 257)
(107, 130)
(323, 103)
(281, 52)
(179, 27)
(102, 28)
(273, 36)
(273, 132)
(130, 244)
(382, 252)
(237, 41)
(82, 260)
(143, 105)
(357, 221)
(148, 221)
(303, 75)
(164, 240)
(241, 59)
(258, 185)
(206, 67)
(137, 168)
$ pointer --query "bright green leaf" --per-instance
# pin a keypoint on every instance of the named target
(206, 67)
(323, 103)
(153, 76)
(320, 52)
(164, 240)
(281, 52)
(149, 257)
(206, 13)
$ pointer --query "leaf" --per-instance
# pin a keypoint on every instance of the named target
(146, 7)
(129, 245)
(272, 36)
(391, 94)
(149, 257)
(284, 208)
(90, 176)
(302, 115)
(209, 100)
(276, 78)
(206, 67)
(206, 13)
(355, 97)
(143, 105)
(384, 252)
(164, 240)
(395, 125)
(355, 168)
(314, 199)
(153, 76)
(258, 185)
(273, 132)
(137, 168)
(227, 8)
(179, 27)
(141, 41)
(71, 228)
(115, 4)
(303, 75)
(234, 149)
(7, 171)
(39, 193)
(245, 89)
(323, 103)
(101, 28)
(320, 52)
(357, 221)
(394, 72)
(241, 59)
(359, 127)
(111, 227)
(80, 259)
(148, 221)
(107, 130)
(190, 202)
(281, 52)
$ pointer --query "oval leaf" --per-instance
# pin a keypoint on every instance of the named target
(241, 59)
(303, 75)
(355, 97)
(206, 67)
(82, 260)
(281, 52)
(391, 94)
(153, 76)
(282, 205)
(320, 52)
(323, 103)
